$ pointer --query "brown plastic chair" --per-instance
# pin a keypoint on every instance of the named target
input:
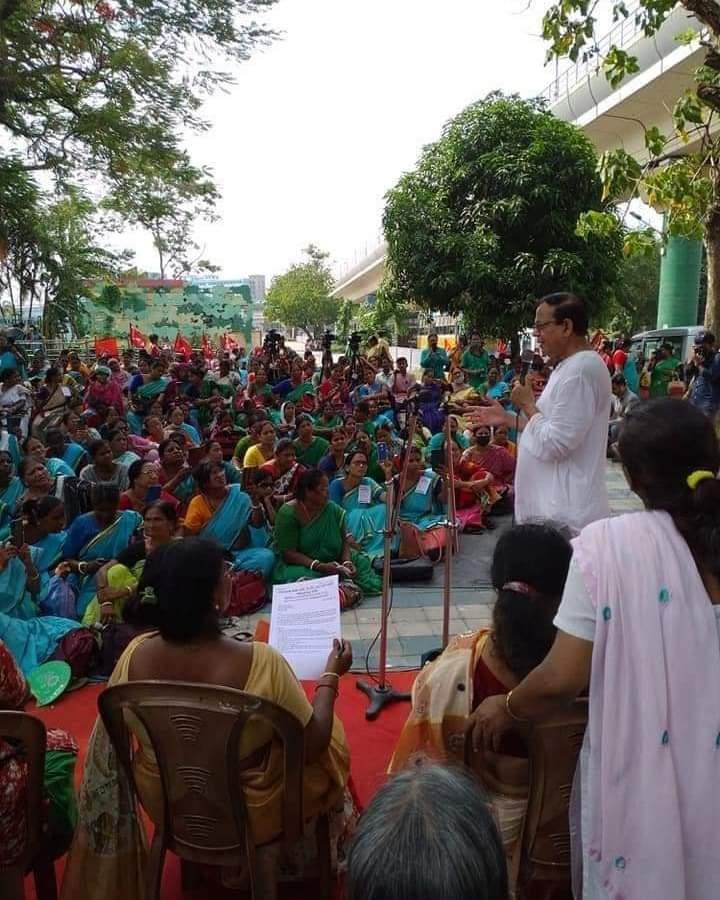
(30, 733)
(540, 867)
(195, 730)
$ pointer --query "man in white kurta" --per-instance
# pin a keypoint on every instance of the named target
(562, 453)
(560, 473)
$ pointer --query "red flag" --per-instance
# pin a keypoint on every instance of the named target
(228, 343)
(207, 349)
(137, 338)
(107, 346)
(183, 347)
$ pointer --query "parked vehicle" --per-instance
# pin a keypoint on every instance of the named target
(682, 340)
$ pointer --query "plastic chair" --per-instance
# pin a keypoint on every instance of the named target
(541, 866)
(195, 731)
(30, 733)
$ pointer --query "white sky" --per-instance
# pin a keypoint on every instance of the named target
(320, 125)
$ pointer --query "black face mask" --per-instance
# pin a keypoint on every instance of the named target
(482, 440)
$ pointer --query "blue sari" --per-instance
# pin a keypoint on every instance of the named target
(34, 641)
(105, 544)
(225, 527)
(366, 516)
(50, 552)
(422, 508)
(15, 600)
(8, 501)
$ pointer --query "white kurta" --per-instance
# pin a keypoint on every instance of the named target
(561, 456)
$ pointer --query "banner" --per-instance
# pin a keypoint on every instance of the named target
(137, 338)
(107, 346)
(182, 347)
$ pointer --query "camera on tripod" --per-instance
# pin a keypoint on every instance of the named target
(327, 340)
(354, 342)
(272, 342)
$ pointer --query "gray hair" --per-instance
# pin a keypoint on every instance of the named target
(428, 835)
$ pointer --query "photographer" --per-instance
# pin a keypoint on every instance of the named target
(705, 391)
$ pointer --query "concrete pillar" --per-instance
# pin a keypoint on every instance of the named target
(679, 292)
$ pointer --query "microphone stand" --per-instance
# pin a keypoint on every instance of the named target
(451, 531)
(381, 693)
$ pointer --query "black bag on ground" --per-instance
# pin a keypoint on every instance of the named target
(419, 569)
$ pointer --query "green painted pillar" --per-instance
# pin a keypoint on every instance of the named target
(679, 293)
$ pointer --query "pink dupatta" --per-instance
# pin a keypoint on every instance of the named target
(654, 771)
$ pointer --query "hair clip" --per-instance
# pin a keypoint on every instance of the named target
(519, 587)
(148, 597)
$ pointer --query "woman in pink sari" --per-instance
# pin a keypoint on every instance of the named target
(640, 622)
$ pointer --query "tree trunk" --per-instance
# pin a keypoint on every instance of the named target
(712, 248)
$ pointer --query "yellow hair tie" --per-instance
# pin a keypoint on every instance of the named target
(694, 478)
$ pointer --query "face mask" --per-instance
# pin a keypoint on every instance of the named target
(482, 440)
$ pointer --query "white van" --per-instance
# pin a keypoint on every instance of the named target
(682, 340)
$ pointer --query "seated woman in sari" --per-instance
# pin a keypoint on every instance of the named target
(493, 459)
(264, 450)
(70, 452)
(438, 440)
(501, 439)
(50, 403)
(475, 495)
(224, 513)
(19, 581)
(327, 421)
(11, 489)
(33, 448)
(529, 568)
(153, 387)
(186, 583)
(430, 396)
(312, 540)
(309, 448)
(364, 501)
(118, 441)
(285, 472)
(284, 419)
(59, 789)
(422, 506)
(37, 481)
(177, 423)
(95, 537)
(175, 474)
(44, 525)
(118, 578)
(144, 487)
(103, 468)
(102, 389)
(215, 454)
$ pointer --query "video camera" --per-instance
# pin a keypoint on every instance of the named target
(354, 342)
(272, 342)
(327, 340)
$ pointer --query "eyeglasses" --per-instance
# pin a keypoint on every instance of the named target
(541, 326)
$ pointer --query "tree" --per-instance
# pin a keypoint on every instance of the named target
(302, 296)
(686, 187)
(634, 305)
(504, 207)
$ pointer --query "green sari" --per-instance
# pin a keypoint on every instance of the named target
(310, 456)
(321, 539)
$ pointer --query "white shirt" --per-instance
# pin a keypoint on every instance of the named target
(561, 456)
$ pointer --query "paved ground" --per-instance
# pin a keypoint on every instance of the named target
(415, 624)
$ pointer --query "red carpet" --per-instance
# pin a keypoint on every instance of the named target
(371, 745)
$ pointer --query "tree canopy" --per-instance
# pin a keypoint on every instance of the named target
(98, 95)
(301, 297)
(685, 185)
(505, 206)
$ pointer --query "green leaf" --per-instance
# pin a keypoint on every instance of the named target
(618, 64)
(655, 140)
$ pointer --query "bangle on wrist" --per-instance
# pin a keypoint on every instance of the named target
(508, 709)
(314, 564)
(333, 674)
(329, 686)
(82, 568)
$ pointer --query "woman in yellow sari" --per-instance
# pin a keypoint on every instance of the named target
(185, 583)
(529, 569)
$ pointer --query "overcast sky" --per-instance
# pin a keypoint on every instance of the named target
(320, 125)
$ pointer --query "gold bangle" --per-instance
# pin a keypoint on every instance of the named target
(509, 711)
(333, 674)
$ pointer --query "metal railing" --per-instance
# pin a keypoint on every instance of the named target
(620, 35)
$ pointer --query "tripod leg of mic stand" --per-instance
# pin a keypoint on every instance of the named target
(380, 696)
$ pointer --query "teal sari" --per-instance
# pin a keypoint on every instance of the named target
(126, 459)
(56, 466)
(151, 390)
(106, 544)
(8, 501)
(15, 600)
(228, 523)
(73, 455)
(365, 510)
(33, 641)
(135, 421)
(421, 507)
